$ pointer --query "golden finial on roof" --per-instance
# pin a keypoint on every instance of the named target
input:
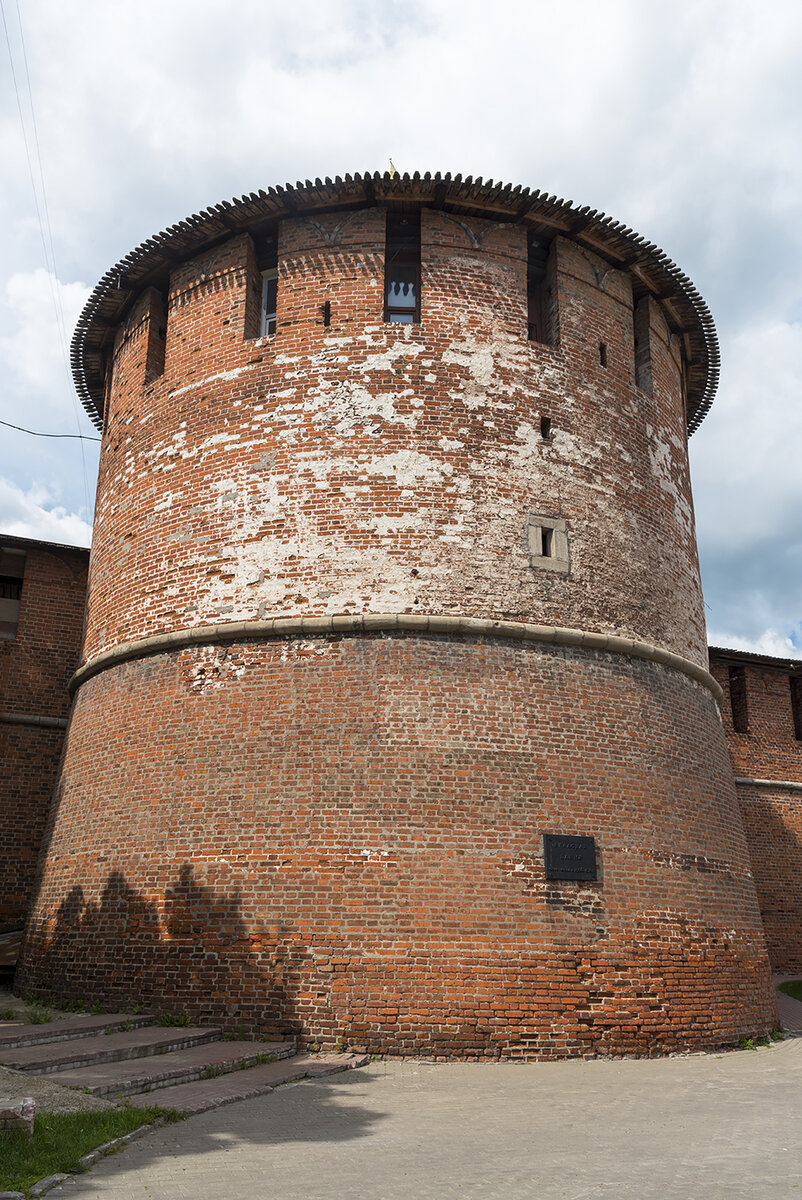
(393, 171)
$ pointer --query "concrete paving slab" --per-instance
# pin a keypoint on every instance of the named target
(178, 1066)
(136, 1043)
(256, 1081)
(722, 1127)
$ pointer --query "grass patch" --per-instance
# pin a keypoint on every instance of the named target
(60, 1139)
(39, 1016)
(8, 1014)
(792, 988)
(181, 1019)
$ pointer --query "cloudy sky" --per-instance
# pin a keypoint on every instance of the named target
(682, 119)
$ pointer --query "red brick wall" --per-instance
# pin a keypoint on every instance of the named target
(35, 668)
(769, 750)
(773, 823)
(375, 467)
(343, 837)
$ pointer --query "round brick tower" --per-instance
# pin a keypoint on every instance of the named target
(394, 573)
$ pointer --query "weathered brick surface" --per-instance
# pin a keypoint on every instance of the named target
(769, 750)
(35, 668)
(373, 467)
(773, 823)
(342, 836)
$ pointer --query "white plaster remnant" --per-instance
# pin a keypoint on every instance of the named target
(224, 375)
(666, 469)
(349, 405)
(408, 467)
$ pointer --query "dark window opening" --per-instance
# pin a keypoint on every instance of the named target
(643, 347)
(537, 290)
(796, 705)
(269, 303)
(267, 261)
(603, 353)
(12, 570)
(325, 312)
(402, 269)
(740, 710)
(548, 542)
(545, 428)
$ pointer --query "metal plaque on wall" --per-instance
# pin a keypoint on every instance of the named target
(569, 857)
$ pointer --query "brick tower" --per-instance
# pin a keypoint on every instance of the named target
(394, 573)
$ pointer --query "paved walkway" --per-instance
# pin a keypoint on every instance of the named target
(722, 1127)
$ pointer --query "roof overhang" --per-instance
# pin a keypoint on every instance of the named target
(150, 263)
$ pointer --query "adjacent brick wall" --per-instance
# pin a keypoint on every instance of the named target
(768, 750)
(35, 668)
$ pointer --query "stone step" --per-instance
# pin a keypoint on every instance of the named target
(164, 1070)
(244, 1085)
(110, 1047)
(62, 1029)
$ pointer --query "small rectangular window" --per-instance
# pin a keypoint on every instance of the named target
(547, 543)
(796, 704)
(269, 302)
(738, 702)
(12, 570)
(402, 269)
(545, 428)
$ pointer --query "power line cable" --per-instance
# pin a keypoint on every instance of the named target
(84, 437)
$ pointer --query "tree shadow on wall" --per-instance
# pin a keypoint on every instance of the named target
(192, 953)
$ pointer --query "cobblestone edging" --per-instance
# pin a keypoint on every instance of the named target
(233, 631)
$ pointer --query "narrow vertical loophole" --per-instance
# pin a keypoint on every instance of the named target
(796, 705)
(325, 312)
(738, 701)
(548, 542)
(545, 428)
(603, 353)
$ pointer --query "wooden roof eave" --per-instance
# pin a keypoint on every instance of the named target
(614, 242)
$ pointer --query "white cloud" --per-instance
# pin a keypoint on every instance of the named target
(40, 314)
(771, 641)
(32, 514)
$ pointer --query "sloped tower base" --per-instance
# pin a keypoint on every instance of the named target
(341, 837)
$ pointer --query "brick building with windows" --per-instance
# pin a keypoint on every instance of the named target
(762, 716)
(394, 582)
(42, 600)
